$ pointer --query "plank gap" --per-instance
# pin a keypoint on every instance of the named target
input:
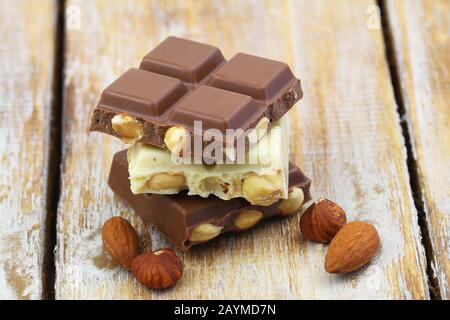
(54, 157)
(411, 162)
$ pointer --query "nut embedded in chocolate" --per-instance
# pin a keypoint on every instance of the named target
(248, 218)
(263, 190)
(293, 203)
(204, 232)
(175, 139)
(128, 128)
(166, 181)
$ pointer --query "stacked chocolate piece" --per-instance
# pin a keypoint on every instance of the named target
(209, 142)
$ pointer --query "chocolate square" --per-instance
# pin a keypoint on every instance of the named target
(217, 108)
(186, 60)
(257, 77)
(142, 93)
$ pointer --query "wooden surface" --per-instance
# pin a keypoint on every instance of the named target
(421, 30)
(26, 71)
(346, 136)
(347, 124)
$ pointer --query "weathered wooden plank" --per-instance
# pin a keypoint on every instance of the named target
(26, 67)
(421, 34)
(346, 136)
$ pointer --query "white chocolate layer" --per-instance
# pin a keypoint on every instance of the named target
(152, 170)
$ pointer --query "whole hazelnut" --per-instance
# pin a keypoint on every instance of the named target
(158, 270)
(322, 220)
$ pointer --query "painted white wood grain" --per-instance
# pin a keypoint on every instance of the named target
(421, 33)
(26, 70)
(346, 136)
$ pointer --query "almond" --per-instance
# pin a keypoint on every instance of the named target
(322, 220)
(352, 247)
(120, 241)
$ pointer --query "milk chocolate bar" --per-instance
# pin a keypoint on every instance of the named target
(261, 178)
(190, 220)
(182, 81)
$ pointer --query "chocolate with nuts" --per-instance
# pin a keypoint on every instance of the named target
(190, 220)
(261, 182)
(182, 81)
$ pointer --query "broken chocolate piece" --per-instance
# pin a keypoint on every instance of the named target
(182, 81)
(190, 220)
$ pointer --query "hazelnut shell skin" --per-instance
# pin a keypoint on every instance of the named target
(158, 270)
(322, 220)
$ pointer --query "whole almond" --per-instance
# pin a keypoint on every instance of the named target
(322, 220)
(120, 241)
(352, 247)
